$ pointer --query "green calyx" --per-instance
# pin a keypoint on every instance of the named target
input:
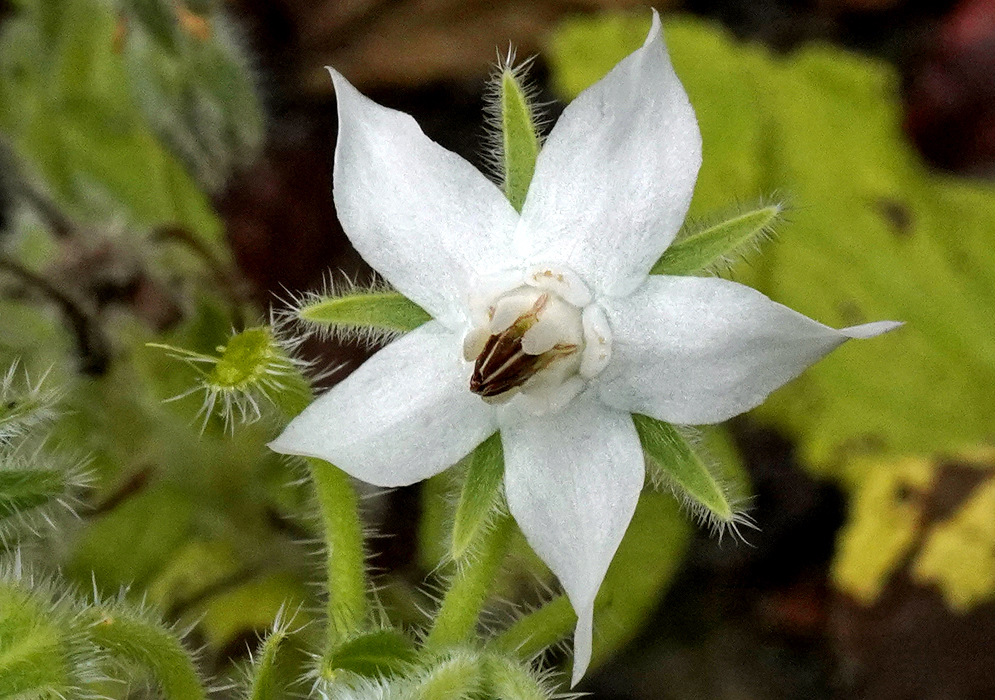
(363, 314)
(672, 461)
(480, 499)
(717, 245)
(516, 142)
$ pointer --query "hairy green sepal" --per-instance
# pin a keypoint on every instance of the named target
(388, 311)
(519, 137)
(480, 497)
(378, 654)
(25, 489)
(718, 244)
(672, 457)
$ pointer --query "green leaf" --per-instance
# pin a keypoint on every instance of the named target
(927, 520)
(480, 498)
(719, 244)
(518, 140)
(67, 108)
(374, 655)
(362, 314)
(958, 557)
(883, 525)
(131, 543)
(673, 460)
(251, 607)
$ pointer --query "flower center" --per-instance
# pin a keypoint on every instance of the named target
(542, 339)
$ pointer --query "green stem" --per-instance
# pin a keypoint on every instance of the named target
(456, 618)
(538, 630)
(264, 673)
(346, 565)
(129, 636)
(348, 604)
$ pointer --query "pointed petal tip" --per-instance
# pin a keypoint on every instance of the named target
(655, 28)
(871, 330)
(287, 445)
(279, 446)
(339, 81)
(583, 643)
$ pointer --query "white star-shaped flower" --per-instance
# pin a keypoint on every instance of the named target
(547, 326)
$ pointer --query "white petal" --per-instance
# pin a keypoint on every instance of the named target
(614, 179)
(693, 350)
(407, 413)
(422, 216)
(572, 480)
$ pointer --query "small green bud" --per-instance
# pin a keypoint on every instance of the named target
(23, 404)
(254, 367)
(264, 680)
(136, 636)
(509, 679)
(457, 677)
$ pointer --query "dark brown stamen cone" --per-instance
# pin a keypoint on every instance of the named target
(503, 365)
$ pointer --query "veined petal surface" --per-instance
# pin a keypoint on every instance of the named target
(406, 414)
(572, 480)
(693, 350)
(614, 179)
(422, 216)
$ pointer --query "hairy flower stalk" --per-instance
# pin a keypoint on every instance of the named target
(256, 367)
(547, 324)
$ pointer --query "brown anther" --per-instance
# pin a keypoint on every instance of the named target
(503, 365)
